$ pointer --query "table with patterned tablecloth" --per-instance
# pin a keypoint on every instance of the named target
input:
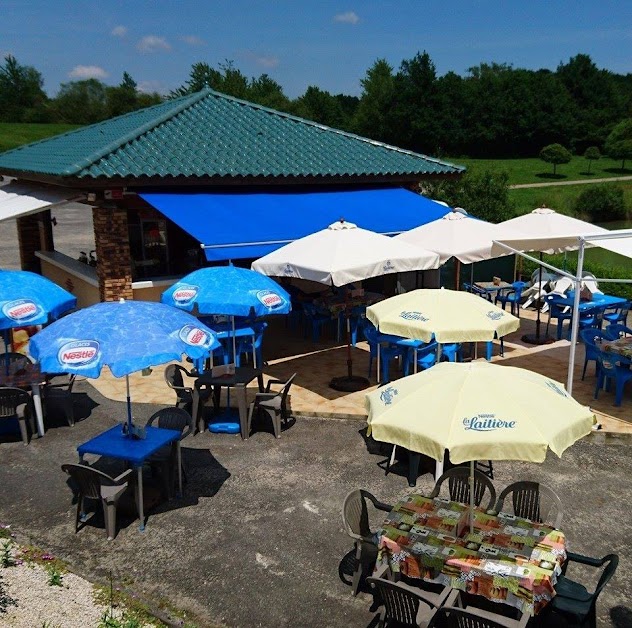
(621, 346)
(506, 559)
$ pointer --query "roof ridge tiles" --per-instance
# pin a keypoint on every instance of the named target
(91, 159)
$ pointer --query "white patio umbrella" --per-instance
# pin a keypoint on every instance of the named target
(339, 255)
(461, 236)
(545, 230)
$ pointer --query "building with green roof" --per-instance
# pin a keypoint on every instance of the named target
(207, 172)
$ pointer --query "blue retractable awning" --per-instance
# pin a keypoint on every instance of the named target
(251, 224)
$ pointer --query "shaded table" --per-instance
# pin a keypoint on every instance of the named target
(29, 376)
(489, 287)
(506, 559)
(114, 444)
(239, 380)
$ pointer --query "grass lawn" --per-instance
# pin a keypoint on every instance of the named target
(535, 170)
(13, 135)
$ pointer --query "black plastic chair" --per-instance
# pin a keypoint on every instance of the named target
(16, 403)
(533, 501)
(453, 617)
(175, 381)
(164, 460)
(273, 404)
(573, 600)
(406, 606)
(459, 486)
(58, 398)
(355, 519)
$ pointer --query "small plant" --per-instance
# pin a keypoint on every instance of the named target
(8, 553)
(55, 576)
(50, 624)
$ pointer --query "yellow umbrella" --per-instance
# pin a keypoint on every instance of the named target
(477, 411)
(448, 315)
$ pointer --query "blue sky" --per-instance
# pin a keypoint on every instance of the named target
(299, 43)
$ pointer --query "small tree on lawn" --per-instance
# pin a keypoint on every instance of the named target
(555, 154)
(592, 154)
(619, 142)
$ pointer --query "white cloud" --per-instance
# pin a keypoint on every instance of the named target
(87, 72)
(153, 43)
(348, 17)
(193, 40)
(267, 61)
(119, 31)
(149, 87)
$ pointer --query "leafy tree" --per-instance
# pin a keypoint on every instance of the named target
(601, 203)
(592, 154)
(21, 95)
(201, 75)
(267, 92)
(82, 102)
(555, 154)
(619, 142)
(319, 106)
(372, 116)
(123, 98)
(484, 194)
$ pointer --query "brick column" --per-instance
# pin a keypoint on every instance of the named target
(114, 269)
(29, 241)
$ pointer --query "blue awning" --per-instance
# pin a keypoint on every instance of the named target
(240, 225)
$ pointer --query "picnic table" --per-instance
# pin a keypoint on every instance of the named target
(621, 346)
(506, 559)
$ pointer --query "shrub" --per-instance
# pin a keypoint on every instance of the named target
(555, 154)
(601, 203)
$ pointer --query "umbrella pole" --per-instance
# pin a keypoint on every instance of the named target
(457, 273)
(349, 359)
(129, 406)
(471, 497)
(536, 339)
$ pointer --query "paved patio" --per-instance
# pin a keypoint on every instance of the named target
(257, 539)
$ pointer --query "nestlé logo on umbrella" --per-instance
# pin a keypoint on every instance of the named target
(21, 310)
(486, 423)
(195, 336)
(270, 299)
(78, 352)
(185, 294)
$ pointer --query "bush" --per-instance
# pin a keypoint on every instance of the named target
(555, 154)
(601, 203)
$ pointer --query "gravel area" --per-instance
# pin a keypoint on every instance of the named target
(31, 601)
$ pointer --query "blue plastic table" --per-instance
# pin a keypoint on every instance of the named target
(114, 444)
(598, 300)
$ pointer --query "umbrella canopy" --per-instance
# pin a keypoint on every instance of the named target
(228, 290)
(30, 299)
(459, 235)
(126, 336)
(545, 230)
(344, 253)
(448, 315)
(478, 411)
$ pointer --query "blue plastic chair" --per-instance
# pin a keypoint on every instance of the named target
(557, 312)
(590, 337)
(245, 345)
(591, 317)
(452, 352)
(613, 367)
(512, 296)
(617, 314)
(426, 357)
(387, 351)
(617, 330)
(317, 319)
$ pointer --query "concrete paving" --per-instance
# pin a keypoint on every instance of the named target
(257, 539)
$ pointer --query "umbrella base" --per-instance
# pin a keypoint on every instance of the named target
(536, 339)
(348, 383)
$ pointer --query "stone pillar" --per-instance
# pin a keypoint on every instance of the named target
(29, 241)
(111, 237)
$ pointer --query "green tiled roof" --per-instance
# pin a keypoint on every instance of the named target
(209, 134)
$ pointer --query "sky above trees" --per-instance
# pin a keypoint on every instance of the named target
(299, 43)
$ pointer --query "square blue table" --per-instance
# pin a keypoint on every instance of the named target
(114, 444)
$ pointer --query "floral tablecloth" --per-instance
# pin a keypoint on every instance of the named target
(506, 559)
(622, 346)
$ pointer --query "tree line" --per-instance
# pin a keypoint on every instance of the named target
(493, 111)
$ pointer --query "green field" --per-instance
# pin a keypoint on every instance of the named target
(535, 170)
(13, 135)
